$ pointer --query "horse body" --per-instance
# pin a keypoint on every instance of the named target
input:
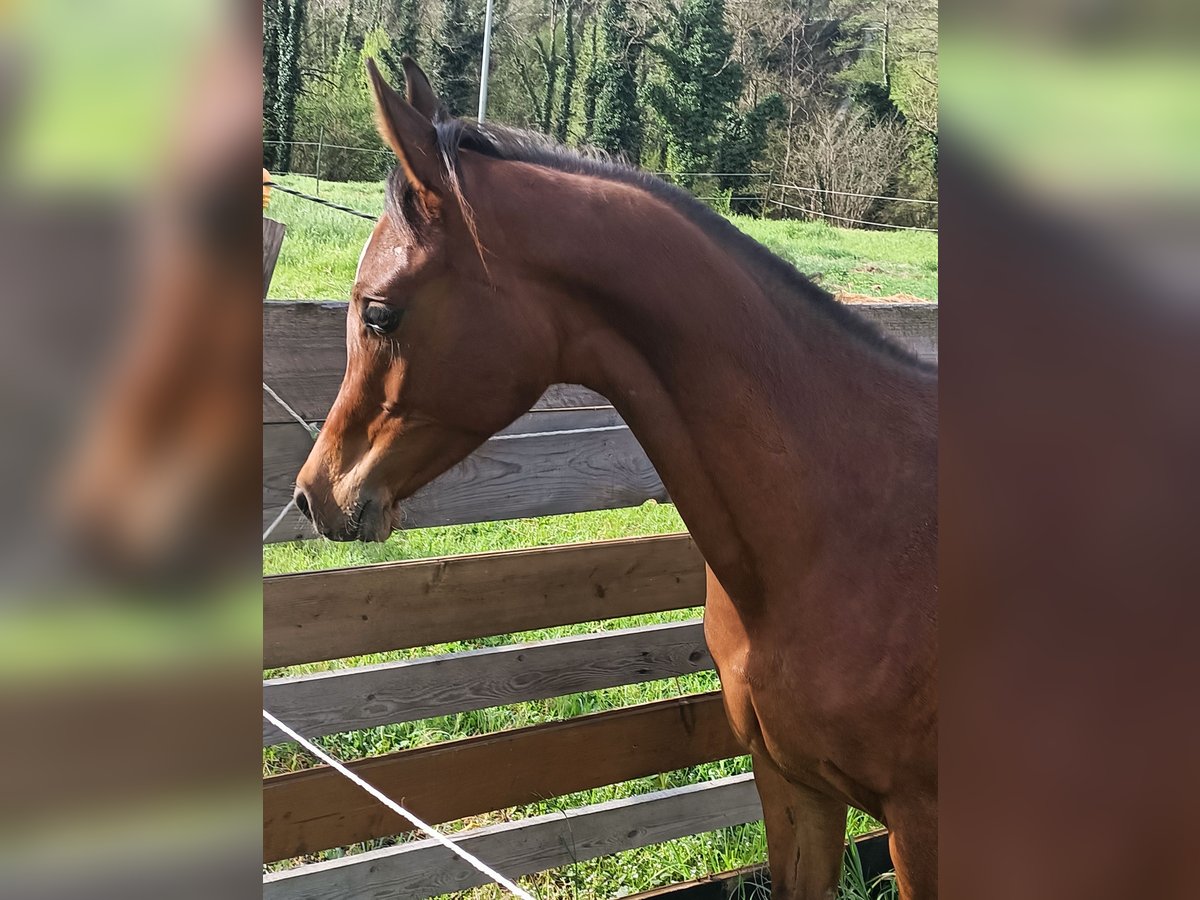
(804, 462)
(799, 448)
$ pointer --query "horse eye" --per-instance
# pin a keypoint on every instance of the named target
(381, 318)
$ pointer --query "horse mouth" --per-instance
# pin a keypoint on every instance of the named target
(369, 521)
(373, 521)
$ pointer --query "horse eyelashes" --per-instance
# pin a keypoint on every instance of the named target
(382, 319)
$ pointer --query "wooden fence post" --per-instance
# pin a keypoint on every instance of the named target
(272, 240)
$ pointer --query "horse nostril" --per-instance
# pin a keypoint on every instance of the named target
(302, 504)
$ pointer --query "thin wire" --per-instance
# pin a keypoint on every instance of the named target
(716, 174)
(279, 518)
(312, 430)
(395, 807)
(796, 187)
(275, 185)
(813, 212)
(330, 146)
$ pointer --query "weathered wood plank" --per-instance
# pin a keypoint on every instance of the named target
(384, 694)
(425, 869)
(334, 613)
(272, 239)
(913, 325)
(316, 809)
(547, 463)
(304, 352)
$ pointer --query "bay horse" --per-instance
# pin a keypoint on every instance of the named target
(799, 445)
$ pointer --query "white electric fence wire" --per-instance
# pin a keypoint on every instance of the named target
(279, 518)
(312, 431)
(395, 807)
(308, 426)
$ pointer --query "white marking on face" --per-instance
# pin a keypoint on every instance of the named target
(363, 255)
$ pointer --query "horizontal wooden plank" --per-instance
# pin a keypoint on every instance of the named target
(548, 462)
(317, 809)
(425, 869)
(304, 352)
(913, 325)
(335, 613)
(304, 356)
(367, 696)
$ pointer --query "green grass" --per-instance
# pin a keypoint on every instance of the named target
(321, 250)
(422, 543)
(875, 263)
(317, 260)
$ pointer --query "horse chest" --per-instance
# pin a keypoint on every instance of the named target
(750, 682)
(782, 704)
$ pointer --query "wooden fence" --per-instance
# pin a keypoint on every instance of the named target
(333, 614)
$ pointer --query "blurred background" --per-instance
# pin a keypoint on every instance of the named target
(131, 135)
(129, 342)
(1070, 335)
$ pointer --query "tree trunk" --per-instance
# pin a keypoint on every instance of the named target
(569, 73)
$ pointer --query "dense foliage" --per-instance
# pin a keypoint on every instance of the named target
(800, 107)
(456, 56)
(284, 24)
(618, 118)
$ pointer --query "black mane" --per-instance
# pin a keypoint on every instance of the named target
(517, 145)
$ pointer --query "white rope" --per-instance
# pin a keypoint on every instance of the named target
(395, 807)
(310, 428)
(279, 518)
(536, 434)
(312, 431)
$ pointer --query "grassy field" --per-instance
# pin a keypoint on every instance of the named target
(317, 261)
(321, 251)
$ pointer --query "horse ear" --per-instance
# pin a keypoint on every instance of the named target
(420, 92)
(412, 138)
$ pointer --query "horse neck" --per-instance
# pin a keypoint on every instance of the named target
(769, 422)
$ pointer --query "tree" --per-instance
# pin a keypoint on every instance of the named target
(698, 94)
(456, 57)
(407, 29)
(618, 125)
(742, 142)
(913, 78)
(283, 40)
(271, 39)
(847, 157)
(591, 86)
(348, 32)
(338, 105)
(699, 86)
(570, 72)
